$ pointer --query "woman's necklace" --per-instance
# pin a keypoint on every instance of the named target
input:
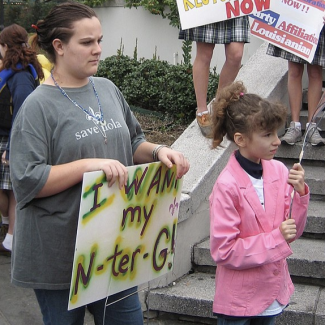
(90, 116)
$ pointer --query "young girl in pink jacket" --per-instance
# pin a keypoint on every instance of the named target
(251, 228)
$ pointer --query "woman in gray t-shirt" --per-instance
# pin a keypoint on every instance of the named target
(71, 124)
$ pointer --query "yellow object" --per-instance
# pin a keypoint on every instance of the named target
(46, 66)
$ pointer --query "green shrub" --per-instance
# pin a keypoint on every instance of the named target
(142, 87)
(116, 68)
(156, 85)
(26, 13)
(177, 97)
(165, 8)
(213, 84)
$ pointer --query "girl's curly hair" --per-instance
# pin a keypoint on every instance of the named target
(235, 110)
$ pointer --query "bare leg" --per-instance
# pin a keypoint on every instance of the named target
(234, 53)
(315, 77)
(4, 202)
(201, 69)
(295, 72)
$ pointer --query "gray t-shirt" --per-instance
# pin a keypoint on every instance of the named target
(50, 130)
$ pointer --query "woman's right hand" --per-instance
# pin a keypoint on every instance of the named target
(64, 176)
(114, 171)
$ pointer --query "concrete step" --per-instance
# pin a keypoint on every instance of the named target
(193, 295)
(315, 226)
(308, 258)
(304, 118)
(307, 263)
(311, 153)
(314, 176)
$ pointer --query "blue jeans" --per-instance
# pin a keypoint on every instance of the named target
(228, 320)
(54, 307)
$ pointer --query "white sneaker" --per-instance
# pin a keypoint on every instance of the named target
(292, 135)
(313, 136)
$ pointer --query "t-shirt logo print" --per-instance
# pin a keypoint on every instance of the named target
(95, 117)
(101, 125)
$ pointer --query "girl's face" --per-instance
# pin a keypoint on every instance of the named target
(3, 50)
(79, 58)
(260, 145)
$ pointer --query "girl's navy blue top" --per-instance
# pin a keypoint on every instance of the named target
(253, 169)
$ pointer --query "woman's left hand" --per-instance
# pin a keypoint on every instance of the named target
(169, 157)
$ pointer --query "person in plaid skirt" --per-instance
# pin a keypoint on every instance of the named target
(315, 82)
(19, 57)
(233, 33)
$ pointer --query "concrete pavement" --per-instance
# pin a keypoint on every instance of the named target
(18, 306)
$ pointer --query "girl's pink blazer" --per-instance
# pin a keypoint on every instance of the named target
(245, 240)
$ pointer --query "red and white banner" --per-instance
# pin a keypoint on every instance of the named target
(293, 25)
(195, 13)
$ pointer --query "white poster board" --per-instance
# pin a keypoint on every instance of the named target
(293, 25)
(125, 237)
(195, 13)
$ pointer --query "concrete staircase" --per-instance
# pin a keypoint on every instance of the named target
(189, 298)
(193, 294)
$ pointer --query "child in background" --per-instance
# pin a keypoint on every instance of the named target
(314, 69)
(42, 59)
(21, 61)
(46, 66)
(233, 33)
(249, 208)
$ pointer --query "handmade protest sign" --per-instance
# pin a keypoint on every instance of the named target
(293, 25)
(125, 237)
(195, 13)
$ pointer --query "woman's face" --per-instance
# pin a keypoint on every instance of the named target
(80, 56)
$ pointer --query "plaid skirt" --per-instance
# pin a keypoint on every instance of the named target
(319, 58)
(222, 32)
(5, 181)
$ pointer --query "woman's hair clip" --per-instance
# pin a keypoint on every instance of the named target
(35, 27)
